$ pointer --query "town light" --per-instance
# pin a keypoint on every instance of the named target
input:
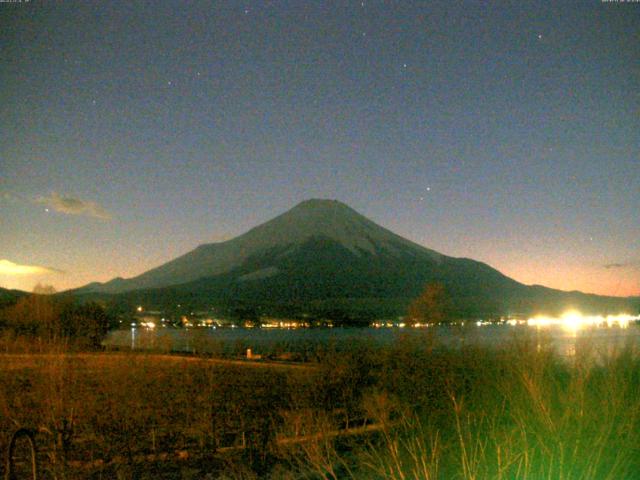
(573, 320)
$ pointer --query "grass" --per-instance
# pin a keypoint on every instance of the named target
(121, 406)
(401, 411)
(515, 413)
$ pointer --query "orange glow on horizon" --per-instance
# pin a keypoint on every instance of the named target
(567, 277)
(596, 279)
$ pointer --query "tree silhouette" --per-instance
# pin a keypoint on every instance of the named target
(34, 316)
(430, 306)
(53, 319)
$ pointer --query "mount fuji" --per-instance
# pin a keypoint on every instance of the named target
(325, 258)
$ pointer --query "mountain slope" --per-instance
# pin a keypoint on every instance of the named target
(323, 258)
(322, 270)
(309, 219)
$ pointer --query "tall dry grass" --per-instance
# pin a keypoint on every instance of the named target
(519, 412)
(403, 411)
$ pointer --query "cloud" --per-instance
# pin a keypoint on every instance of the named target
(73, 206)
(222, 237)
(610, 266)
(11, 197)
(8, 267)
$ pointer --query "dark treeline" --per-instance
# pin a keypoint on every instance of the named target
(434, 301)
(50, 319)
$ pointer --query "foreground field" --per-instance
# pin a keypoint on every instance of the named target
(408, 410)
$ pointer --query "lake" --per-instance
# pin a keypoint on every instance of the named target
(565, 339)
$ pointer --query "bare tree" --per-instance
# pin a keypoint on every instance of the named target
(430, 306)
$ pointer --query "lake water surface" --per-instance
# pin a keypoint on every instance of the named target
(602, 340)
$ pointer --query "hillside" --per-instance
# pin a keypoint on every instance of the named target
(7, 297)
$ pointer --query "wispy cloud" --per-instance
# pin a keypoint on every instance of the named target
(73, 206)
(618, 265)
(7, 267)
(222, 237)
(12, 197)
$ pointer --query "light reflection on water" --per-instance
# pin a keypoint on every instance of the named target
(601, 340)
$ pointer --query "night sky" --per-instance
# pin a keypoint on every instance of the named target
(507, 132)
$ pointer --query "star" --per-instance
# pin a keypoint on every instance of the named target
(539, 36)
(169, 82)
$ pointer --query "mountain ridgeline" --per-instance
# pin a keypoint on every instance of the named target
(324, 259)
(9, 297)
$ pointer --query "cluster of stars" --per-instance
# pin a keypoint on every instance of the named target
(171, 83)
(422, 197)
